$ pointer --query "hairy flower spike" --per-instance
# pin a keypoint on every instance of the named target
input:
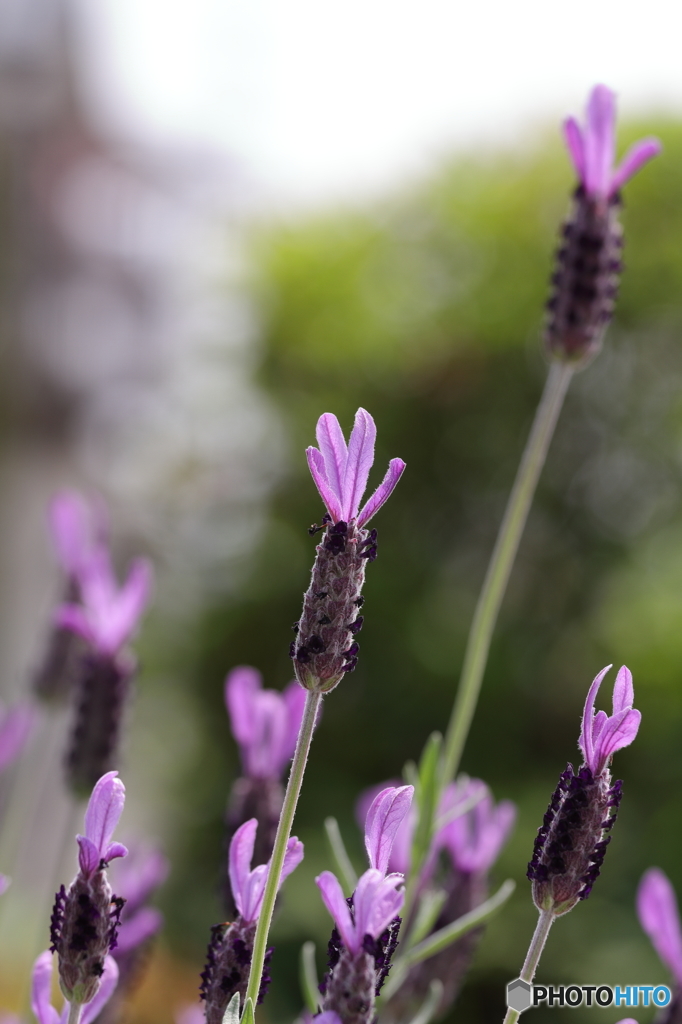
(588, 262)
(324, 649)
(571, 844)
(41, 984)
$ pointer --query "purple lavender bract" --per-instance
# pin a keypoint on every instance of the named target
(325, 648)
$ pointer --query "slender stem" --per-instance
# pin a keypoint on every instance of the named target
(286, 820)
(75, 1011)
(530, 964)
(501, 563)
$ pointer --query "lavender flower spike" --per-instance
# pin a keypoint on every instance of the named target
(325, 648)
(571, 844)
(85, 919)
(41, 984)
(231, 947)
(588, 263)
(659, 917)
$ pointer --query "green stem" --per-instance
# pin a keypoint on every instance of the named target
(286, 820)
(75, 1011)
(530, 964)
(501, 563)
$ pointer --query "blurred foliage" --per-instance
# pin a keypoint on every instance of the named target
(426, 309)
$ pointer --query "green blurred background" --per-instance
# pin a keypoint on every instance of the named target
(426, 309)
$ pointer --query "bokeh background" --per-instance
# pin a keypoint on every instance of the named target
(220, 222)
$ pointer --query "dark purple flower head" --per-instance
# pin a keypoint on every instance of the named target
(474, 839)
(109, 614)
(377, 900)
(593, 148)
(601, 735)
(41, 985)
(340, 472)
(387, 813)
(265, 723)
(16, 724)
(101, 818)
(248, 886)
(77, 527)
(659, 917)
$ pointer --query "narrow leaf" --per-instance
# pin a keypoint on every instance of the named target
(248, 1014)
(428, 909)
(231, 1015)
(340, 855)
(444, 937)
(308, 977)
(426, 797)
(429, 1007)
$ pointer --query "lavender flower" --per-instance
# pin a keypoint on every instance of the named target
(106, 619)
(231, 947)
(41, 984)
(659, 917)
(571, 844)
(325, 648)
(367, 924)
(585, 282)
(85, 919)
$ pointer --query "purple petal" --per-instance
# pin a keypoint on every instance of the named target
(600, 141)
(144, 871)
(623, 690)
(383, 491)
(115, 850)
(41, 986)
(335, 902)
(239, 861)
(619, 732)
(104, 810)
(70, 525)
(241, 687)
(384, 818)
(475, 839)
(190, 1013)
(638, 154)
(74, 618)
(263, 756)
(334, 452)
(294, 699)
(573, 137)
(377, 902)
(252, 892)
(317, 469)
(127, 607)
(660, 919)
(585, 741)
(292, 858)
(106, 989)
(88, 856)
(138, 929)
(5, 882)
(15, 729)
(360, 459)
(328, 1017)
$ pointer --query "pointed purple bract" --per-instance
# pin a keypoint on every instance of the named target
(340, 472)
(16, 724)
(600, 735)
(248, 886)
(385, 816)
(376, 901)
(474, 839)
(593, 148)
(109, 614)
(101, 818)
(659, 916)
(77, 527)
(265, 723)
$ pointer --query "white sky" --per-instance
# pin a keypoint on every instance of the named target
(322, 100)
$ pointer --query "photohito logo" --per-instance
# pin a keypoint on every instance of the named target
(521, 996)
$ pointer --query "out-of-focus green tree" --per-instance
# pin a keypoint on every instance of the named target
(427, 310)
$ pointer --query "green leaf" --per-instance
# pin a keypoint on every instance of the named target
(248, 1014)
(426, 798)
(430, 1005)
(444, 937)
(340, 855)
(308, 977)
(231, 1015)
(428, 909)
